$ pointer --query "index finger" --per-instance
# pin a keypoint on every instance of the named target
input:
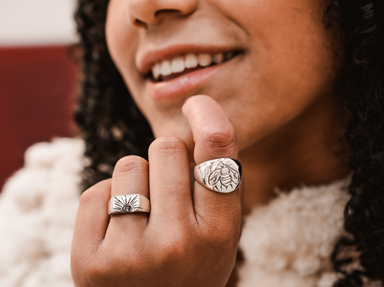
(213, 132)
(214, 137)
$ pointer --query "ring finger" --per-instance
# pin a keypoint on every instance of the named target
(129, 177)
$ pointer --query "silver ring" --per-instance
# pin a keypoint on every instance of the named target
(128, 203)
(221, 175)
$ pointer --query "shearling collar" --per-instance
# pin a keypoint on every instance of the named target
(286, 243)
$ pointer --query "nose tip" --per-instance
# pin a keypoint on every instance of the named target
(150, 12)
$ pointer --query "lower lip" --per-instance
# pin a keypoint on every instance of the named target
(182, 85)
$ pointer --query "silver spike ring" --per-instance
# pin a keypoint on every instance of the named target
(128, 203)
(222, 175)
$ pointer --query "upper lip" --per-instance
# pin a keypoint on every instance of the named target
(147, 59)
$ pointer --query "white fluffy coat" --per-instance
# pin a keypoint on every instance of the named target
(286, 243)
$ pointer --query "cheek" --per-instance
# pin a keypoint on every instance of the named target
(122, 41)
(288, 40)
(290, 64)
(287, 67)
(115, 30)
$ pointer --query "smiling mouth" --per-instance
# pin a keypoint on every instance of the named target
(183, 64)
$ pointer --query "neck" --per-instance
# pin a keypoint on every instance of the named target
(306, 151)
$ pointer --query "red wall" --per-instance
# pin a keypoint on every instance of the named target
(37, 88)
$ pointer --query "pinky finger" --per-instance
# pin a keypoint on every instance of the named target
(91, 221)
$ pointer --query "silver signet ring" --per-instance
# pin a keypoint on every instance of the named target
(128, 203)
(221, 175)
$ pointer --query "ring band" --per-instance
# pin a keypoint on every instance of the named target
(222, 175)
(128, 203)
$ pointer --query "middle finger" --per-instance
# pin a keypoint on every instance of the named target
(170, 180)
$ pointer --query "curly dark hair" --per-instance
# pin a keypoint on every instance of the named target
(113, 126)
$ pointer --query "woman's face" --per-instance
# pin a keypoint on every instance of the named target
(274, 60)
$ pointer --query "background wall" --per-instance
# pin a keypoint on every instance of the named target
(38, 82)
(36, 22)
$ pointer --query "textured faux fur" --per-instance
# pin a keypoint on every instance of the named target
(38, 208)
(289, 241)
(286, 243)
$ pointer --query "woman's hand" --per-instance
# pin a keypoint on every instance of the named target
(190, 238)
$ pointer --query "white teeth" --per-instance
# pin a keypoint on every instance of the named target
(218, 58)
(191, 61)
(156, 71)
(177, 65)
(205, 60)
(165, 68)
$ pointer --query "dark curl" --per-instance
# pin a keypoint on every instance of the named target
(361, 24)
(113, 126)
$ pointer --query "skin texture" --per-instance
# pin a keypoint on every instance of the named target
(279, 93)
(189, 239)
(273, 106)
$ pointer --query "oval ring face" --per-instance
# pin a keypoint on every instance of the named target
(221, 175)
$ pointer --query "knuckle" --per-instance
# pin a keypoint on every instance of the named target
(93, 192)
(89, 271)
(220, 235)
(225, 239)
(221, 142)
(96, 272)
(222, 242)
(87, 196)
(168, 146)
(172, 252)
(174, 247)
(130, 163)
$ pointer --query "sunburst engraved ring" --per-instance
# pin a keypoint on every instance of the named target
(221, 175)
(128, 203)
